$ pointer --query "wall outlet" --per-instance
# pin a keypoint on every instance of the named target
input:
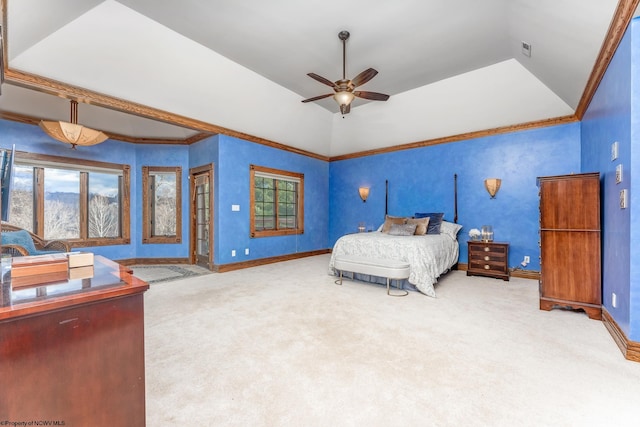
(614, 300)
(527, 259)
(233, 252)
(246, 251)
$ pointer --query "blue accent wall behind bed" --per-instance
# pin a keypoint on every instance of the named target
(421, 180)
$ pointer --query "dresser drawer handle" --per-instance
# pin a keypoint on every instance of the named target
(487, 266)
(487, 248)
(486, 258)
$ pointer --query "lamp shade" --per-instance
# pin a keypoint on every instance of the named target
(343, 97)
(71, 132)
(364, 193)
(492, 185)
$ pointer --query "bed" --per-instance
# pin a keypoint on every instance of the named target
(430, 247)
(429, 255)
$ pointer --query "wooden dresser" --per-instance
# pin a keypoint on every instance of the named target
(570, 272)
(489, 259)
(72, 352)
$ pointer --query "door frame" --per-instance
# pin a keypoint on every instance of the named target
(192, 222)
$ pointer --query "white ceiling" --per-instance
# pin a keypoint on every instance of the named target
(450, 66)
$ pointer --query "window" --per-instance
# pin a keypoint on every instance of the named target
(82, 201)
(277, 202)
(162, 204)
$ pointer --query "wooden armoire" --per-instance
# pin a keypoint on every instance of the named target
(570, 272)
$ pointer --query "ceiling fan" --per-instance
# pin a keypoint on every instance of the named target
(344, 88)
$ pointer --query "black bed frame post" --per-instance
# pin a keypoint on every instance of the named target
(386, 197)
(455, 198)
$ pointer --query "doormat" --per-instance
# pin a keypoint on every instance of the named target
(166, 273)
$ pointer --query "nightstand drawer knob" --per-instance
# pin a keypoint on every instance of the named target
(486, 258)
(487, 248)
(487, 266)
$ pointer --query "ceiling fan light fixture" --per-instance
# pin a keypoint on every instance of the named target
(343, 97)
(71, 132)
(344, 88)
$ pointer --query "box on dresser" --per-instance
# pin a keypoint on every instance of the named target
(80, 259)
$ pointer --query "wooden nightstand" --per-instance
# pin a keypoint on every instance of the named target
(489, 259)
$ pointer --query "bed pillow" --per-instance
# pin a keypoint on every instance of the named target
(435, 220)
(422, 225)
(390, 220)
(402, 229)
(450, 228)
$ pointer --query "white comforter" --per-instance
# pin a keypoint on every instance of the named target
(429, 256)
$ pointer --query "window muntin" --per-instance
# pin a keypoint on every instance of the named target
(53, 197)
(162, 204)
(276, 202)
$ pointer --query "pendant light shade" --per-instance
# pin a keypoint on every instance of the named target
(71, 132)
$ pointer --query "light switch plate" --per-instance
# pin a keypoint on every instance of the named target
(235, 208)
(619, 173)
(614, 151)
(623, 199)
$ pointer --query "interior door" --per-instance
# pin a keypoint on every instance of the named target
(201, 226)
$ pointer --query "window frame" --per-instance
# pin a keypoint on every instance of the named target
(40, 162)
(148, 196)
(284, 175)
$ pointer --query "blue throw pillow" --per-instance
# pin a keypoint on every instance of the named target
(21, 237)
(435, 220)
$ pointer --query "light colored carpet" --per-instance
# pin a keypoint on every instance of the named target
(166, 273)
(282, 345)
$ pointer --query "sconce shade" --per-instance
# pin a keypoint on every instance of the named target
(71, 132)
(492, 185)
(364, 193)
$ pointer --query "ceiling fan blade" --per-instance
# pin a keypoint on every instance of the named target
(344, 109)
(321, 79)
(375, 96)
(364, 77)
(315, 98)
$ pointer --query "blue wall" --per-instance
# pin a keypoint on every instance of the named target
(232, 188)
(421, 180)
(613, 115)
(606, 121)
(634, 241)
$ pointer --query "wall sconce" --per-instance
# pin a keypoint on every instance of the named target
(492, 185)
(364, 193)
